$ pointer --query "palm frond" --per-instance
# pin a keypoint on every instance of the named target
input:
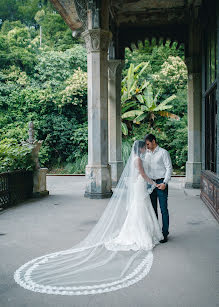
(168, 114)
(127, 106)
(140, 98)
(162, 108)
(131, 114)
(124, 128)
(140, 118)
(143, 69)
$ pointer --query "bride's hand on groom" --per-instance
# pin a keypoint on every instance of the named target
(161, 186)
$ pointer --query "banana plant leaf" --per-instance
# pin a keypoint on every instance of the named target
(127, 106)
(170, 115)
(131, 114)
(124, 128)
(139, 118)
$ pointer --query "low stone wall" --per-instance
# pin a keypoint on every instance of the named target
(177, 182)
(210, 192)
(15, 187)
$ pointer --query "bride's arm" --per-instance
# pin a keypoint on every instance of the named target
(142, 172)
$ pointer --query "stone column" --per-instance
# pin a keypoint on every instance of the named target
(98, 170)
(115, 133)
(193, 62)
(194, 163)
(217, 91)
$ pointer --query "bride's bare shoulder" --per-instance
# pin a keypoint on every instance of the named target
(137, 161)
(136, 158)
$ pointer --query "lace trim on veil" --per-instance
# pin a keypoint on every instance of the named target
(139, 273)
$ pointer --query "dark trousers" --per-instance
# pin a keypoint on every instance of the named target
(162, 195)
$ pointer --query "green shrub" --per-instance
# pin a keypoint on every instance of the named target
(14, 156)
(78, 166)
(80, 142)
(126, 149)
(54, 67)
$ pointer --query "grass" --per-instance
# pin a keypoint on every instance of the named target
(76, 167)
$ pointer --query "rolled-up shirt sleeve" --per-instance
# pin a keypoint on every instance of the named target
(168, 165)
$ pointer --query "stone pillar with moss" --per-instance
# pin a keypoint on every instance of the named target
(98, 170)
(193, 62)
(115, 133)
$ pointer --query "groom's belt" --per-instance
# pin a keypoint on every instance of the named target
(158, 179)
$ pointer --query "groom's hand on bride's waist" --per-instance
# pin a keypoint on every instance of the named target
(162, 186)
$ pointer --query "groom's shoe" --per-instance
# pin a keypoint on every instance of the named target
(165, 239)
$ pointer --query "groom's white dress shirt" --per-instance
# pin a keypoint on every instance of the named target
(157, 164)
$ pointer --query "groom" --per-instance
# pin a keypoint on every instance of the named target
(159, 168)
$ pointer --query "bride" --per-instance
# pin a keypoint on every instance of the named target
(115, 254)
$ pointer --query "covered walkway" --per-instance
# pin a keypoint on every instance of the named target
(183, 273)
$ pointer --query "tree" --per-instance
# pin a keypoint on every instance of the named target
(172, 76)
(150, 107)
(46, 85)
(54, 32)
(138, 100)
(24, 11)
(131, 86)
(16, 48)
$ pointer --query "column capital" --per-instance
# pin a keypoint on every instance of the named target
(115, 66)
(97, 40)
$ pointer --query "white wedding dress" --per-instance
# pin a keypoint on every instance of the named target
(141, 229)
(115, 254)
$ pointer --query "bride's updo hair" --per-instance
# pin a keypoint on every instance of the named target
(137, 146)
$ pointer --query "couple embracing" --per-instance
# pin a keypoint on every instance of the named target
(117, 252)
(150, 170)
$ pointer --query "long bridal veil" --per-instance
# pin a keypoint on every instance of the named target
(91, 267)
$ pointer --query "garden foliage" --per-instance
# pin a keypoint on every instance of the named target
(44, 80)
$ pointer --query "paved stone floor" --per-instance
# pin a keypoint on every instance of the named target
(183, 273)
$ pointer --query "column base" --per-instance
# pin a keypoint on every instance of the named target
(193, 175)
(116, 171)
(190, 185)
(40, 194)
(98, 182)
(97, 195)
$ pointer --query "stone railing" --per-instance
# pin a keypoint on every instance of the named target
(210, 192)
(15, 187)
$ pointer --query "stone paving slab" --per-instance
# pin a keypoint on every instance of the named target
(184, 272)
